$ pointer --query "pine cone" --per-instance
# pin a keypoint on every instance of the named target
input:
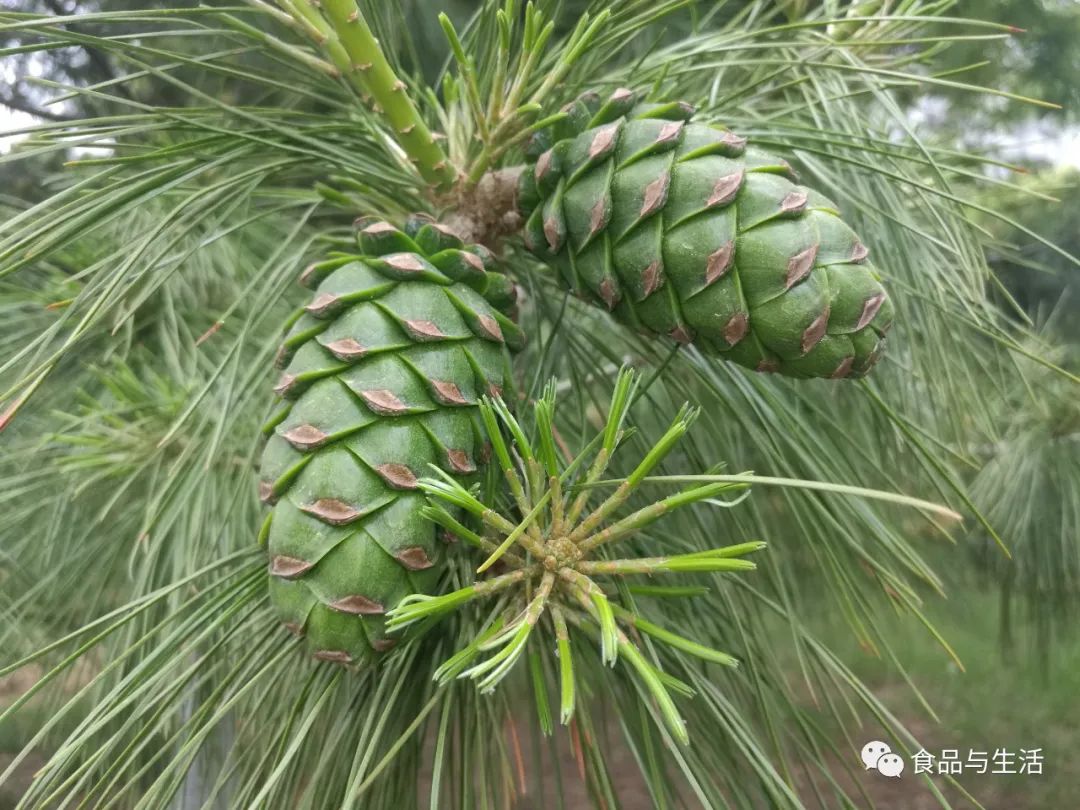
(681, 229)
(384, 368)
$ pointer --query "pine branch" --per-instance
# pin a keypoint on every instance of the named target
(340, 28)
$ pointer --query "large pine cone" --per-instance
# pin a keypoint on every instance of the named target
(681, 229)
(385, 366)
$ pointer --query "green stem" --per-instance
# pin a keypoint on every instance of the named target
(658, 565)
(413, 608)
(536, 606)
(436, 514)
(490, 411)
(675, 640)
(566, 666)
(596, 604)
(502, 59)
(535, 51)
(595, 518)
(468, 75)
(582, 500)
(558, 525)
(456, 664)
(678, 427)
(505, 138)
(350, 40)
(651, 678)
(649, 514)
(519, 533)
(580, 41)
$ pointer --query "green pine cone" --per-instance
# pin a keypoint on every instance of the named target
(383, 371)
(681, 229)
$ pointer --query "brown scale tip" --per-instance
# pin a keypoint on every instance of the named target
(287, 567)
(491, 327)
(281, 357)
(266, 492)
(322, 304)
(652, 278)
(378, 228)
(358, 605)
(799, 266)
(598, 217)
(384, 644)
(719, 262)
(543, 165)
(767, 366)
(448, 393)
(424, 330)
(471, 259)
(384, 402)
(306, 274)
(870, 309)
(333, 511)
(736, 328)
(609, 293)
(655, 195)
(551, 233)
(813, 334)
(405, 262)
(681, 334)
(603, 141)
(622, 94)
(305, 437)
(284, 384)
(859, 252)
(843, 369)
(399, 476)
(732, 140)
(725, 189)
(346, 349)
(294, 628)
(669, 132)
(414, 558)
(794, 202)
(460, 462)
(333, 656)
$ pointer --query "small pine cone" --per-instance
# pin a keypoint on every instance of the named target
(681, 229)
(383, 370)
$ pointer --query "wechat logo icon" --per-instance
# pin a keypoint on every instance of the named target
(877, 756)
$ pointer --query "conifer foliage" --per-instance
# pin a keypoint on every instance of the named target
(518, 541)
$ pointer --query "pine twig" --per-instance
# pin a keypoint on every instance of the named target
(345, 35)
